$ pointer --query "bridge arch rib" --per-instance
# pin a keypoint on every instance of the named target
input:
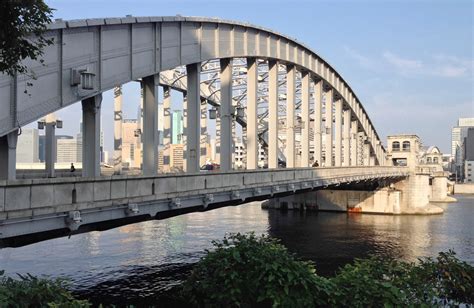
(119, 50)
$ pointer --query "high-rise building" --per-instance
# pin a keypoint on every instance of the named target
(176, 127)
(458, 135)
(131, 154)
(66, 149)
(27, 150)
(176, 157)
(469, 156)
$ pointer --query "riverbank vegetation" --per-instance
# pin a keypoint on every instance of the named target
(249, 271)
(245, 270)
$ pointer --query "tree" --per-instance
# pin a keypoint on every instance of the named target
(22, 27)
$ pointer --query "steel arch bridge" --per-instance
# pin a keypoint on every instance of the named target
(284, 88)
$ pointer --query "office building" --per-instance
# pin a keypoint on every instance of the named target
(27, 150)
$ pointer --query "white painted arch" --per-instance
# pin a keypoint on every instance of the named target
(119, 50)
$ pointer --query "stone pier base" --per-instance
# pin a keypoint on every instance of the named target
(381, 201)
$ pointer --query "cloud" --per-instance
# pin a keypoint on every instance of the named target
(438, 65)
(362, 60)
(401, 63)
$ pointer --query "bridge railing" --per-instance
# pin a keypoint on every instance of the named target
(25, 198)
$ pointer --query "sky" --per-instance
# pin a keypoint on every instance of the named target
(410, 63)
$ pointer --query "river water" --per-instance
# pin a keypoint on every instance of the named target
(140, 263)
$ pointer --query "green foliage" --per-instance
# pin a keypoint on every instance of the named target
(375, 282)
(20, 20)
(29, 291)
(245, 271)
(250, 271)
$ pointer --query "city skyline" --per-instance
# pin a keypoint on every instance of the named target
(418, 81)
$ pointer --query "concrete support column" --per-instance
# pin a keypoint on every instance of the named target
(91, 136)
(226, 114)
(184, 136)
(50, 151)
(252, 137)
(118, 120)
(150, 125)
(346, 135)
(193, 73)
(366, 151)
(338, 133)
(8, 156)
(290, 116)
(305, 79)
(166, 127)
(329, 99)
(354, 140)
(204, 142)
(318, 144)
(272, 114)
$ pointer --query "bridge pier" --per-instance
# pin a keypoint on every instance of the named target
(91, 136)
(8, 155)
(439, 188)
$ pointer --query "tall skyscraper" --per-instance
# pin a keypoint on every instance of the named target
(469, 156)
(458, 136)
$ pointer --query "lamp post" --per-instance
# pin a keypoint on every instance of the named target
(49, 125)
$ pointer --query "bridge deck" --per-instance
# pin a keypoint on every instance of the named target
(31, 210)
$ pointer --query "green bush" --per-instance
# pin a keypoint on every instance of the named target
(29, 291)
(246, 271)
(375, 282)
(250, 271)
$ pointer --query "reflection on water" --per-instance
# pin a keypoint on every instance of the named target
(142, 261)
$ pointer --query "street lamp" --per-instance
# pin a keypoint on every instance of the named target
(213, 113)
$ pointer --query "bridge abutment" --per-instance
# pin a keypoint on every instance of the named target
(408, 196)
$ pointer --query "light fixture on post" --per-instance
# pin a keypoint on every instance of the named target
(56, 123)
(87, 79)
(84, 77)
(41, 124)
(239, 112)
(213, 113)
